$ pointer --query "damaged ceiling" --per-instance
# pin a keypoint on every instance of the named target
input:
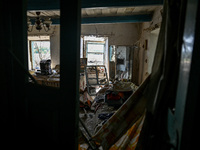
(99, 12)
(118, 11)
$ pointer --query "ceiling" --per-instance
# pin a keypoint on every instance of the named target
(99, 12)
(142, 11)
(118, 11)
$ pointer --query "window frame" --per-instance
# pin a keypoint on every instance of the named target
(98, 53)
(31, 52)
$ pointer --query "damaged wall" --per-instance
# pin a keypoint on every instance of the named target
(147, 45)
(118, 34)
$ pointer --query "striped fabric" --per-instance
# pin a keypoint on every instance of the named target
(129, 140)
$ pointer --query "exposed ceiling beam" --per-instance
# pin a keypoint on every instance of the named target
(44, 5)
(110, 19)
(55, 4)
(117, 19)
(119, 3)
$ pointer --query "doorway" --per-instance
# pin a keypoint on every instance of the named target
(121, 62)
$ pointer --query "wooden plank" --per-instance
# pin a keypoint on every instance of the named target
(121, 11)
(117, 19)
(129, 10)
(55, 4)
(105, 12)
(90, 12)
(98, 12)
(144, 9)
(110, 19)
(113, 11)
(84, 13)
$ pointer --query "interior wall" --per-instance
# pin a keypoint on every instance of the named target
(118, 34)
(147, 44)
(153, 38)
(55, 47)
(54, 34)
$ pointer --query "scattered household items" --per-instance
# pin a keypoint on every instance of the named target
(96, 110)
(48, 80)
(113, 127)
(105, 116)
(124, 86)
(45, 67)
(57, 68)
(82, 82)
(96, 76)
(114, 98)
(85, 99)
(47, 76)
(83, 64)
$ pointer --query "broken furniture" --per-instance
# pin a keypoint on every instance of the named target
(117, 124)
(83, 63)
(96, 76)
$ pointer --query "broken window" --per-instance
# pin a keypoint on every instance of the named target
(95, 53)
